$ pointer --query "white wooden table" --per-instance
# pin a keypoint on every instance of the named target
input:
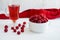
(53, 32)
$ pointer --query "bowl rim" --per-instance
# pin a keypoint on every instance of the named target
(38, 23)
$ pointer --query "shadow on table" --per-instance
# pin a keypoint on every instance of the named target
(27, 31)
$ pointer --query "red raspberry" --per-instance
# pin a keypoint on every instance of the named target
(18, 33)
(23, 26)
(38, 18)
(22, 30)
(5, 30)
(12, 28)
(24, 22)
(5, 26)
(39, 21)
(19, 25)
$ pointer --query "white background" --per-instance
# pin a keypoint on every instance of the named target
(29, 4)
(53, 28)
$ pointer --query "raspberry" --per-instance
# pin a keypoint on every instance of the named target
(12, 28)
(5, 30)
(19, 25)
(22, 30)
(38, 18)
(5, 26)
(18, 33)
(39, 21)
(24, 22)
(23, 25)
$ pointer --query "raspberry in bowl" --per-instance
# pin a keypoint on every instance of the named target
(38, 23)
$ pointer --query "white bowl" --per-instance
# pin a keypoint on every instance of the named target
(37, 27)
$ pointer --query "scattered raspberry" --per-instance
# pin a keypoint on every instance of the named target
(23, 26)
(5, 30)
(19, 25)
(18, 32)
(22, 30)
(12, 28)
(24, 22)
(5, 26)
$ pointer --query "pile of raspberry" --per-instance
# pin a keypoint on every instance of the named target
(38, 19)
(17, 29)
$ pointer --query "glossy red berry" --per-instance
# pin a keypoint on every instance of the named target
(19, 25)
(18, 33)
(5, 26)
(5, 30)
(12, 28)
(23, 26)
(38, 18)
(22, 30)
(24, 22)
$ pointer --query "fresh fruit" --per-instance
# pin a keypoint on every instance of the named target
(24, 22)
(18, 33)
(6, 26)
(23, 25)
(5, 30)
(12, 28)
(38, 18)
(22, 30)
(19, 25)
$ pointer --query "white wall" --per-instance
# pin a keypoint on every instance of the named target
(4, 5)
(29, 4)
(51, 3)
(25, 4)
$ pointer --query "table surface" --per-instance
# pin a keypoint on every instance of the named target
(52, 33)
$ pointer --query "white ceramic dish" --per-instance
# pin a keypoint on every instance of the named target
(37, 27)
